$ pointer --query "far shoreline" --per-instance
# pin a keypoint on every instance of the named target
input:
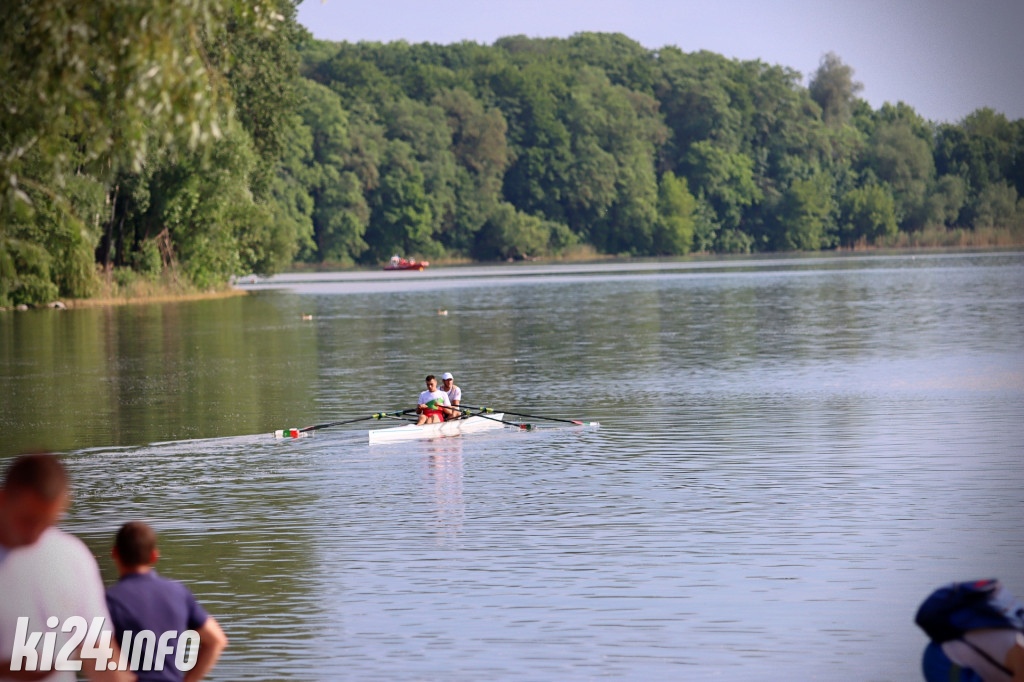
(231, 291)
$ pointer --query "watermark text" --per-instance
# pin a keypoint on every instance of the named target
(140, 651)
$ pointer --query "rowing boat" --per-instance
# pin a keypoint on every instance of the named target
(455, 427)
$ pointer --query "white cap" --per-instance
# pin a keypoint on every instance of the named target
(446, 375)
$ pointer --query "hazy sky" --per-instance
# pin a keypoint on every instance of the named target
(945, 58)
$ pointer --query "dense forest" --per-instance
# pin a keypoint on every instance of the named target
(185, 142)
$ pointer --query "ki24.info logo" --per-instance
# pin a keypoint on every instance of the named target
(148, 650)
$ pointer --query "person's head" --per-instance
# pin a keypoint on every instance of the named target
(431, 382)
(34, 495)
(447, 379)
(135, 547)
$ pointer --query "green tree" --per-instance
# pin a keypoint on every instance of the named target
(900, 157)
(83, 112)
(400, 207)
(509, 234)
(724, 179)
(946, 200)
(355, 78)
(539, 141)
(706, 227)
(480, 148)
(867, 213)
(289, 205)
(64, 77)
(695, 96)
(204, 202)
(48, 244)
(624, 61)
(834, 89)
(985, 150)
(340, 215)
(262, 68)
(676, 207)
(997, 206)
(807, 212)
(424, 127)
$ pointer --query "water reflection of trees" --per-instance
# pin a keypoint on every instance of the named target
(135, 374)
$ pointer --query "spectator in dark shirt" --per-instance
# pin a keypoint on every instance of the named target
(142, 600)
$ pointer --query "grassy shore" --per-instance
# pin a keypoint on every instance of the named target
(154, 298)
(958, 238)
(130, 289)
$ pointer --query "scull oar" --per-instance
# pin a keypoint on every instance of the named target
(532, 416)
(468, 412)
(297, 433)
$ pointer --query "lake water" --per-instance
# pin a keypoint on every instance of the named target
(793, 453)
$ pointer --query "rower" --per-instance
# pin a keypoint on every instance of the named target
(433, 403)
(453, 391)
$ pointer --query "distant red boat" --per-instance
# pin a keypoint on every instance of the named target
(397, 263)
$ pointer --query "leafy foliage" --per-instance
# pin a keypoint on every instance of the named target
(676, 206)
(216, 137)
(867, 213)
(834, 89)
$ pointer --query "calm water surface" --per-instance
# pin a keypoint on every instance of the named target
(792, 454)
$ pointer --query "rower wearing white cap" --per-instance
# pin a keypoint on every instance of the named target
(453, 391)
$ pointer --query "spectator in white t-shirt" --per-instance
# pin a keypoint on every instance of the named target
(44, 572)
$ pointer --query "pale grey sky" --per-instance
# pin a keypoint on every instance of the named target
(945, 58)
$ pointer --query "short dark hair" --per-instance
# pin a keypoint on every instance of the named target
(135, 542)
(429, 377)
(39, 473)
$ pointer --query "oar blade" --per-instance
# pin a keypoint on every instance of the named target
(290, 433)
